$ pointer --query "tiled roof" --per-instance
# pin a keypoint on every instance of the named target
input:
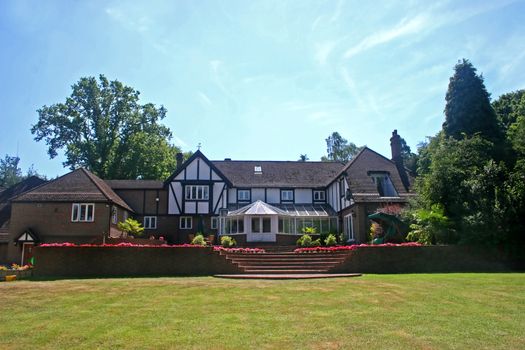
(78, 185)
(135, 184)
(358, 174)
(279, 173)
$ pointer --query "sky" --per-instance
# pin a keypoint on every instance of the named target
(263, 80)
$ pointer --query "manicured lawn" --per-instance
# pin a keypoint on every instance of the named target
(439, 311)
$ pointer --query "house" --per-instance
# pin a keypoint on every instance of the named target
(255, 201)
(5, 209)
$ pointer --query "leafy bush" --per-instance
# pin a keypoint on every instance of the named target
(309, 230)
(199, 240)
(430, 226)
(307, 241)
(228, 242)
(331, 240)
(131, 227)
(304, 241)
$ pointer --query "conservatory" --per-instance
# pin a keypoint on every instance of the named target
(261, 222)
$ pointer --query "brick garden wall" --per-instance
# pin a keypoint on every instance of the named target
(429, 259)
(128, 261)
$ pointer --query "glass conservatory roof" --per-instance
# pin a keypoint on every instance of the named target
(262, 208)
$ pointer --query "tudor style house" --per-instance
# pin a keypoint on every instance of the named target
(254, 201)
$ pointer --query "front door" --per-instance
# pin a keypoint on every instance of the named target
(27, 253)
(349, 228)
(261, 230)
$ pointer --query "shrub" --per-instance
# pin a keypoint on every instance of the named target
(331, 240)
(430, 226)
(199, 240)
(304, 241)
(309, 230)
(131, 227)
(228, 242)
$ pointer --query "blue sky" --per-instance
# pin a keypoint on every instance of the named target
(257, 79)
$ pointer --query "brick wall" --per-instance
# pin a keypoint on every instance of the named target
(129, 261)
(428, 259)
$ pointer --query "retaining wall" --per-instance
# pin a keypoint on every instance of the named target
(428, 259)
(128, 261)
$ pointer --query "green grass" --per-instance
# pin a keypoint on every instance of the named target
(429, 311)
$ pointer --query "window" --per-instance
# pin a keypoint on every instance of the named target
(243, 195)
(319, 196)
(384, 184)
(150, 222)
(287, 195)
(267, 225)
(197, 192)
(83, 212)
(185, 222)
(256, 226)
(114, 216)
(349, 227)
(214, 223)
(233, 225)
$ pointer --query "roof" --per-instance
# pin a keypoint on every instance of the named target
(135, 184)
(292, 174)
(303, 210)
(21, 187)
(78, 185)
(15, 190)
(358, 174)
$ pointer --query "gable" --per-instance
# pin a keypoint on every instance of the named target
(198, 168)
(368, 162)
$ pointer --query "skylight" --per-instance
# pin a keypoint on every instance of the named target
(258, 169)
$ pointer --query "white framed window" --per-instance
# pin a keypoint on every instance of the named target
(83, 212)
(185, 222)
(150, 222)
(214, 222)
(287, 195)
(349, 228)
(197, 192)
(243, 195)
(114, 215)
(319, 196)
(384, 184)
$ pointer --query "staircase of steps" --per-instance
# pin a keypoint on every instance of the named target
(286, 262)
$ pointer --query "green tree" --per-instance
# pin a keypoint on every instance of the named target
(339, 149)
(468, 110)
(103, 127)
(11, 173)
(409, 158)
(509, 107)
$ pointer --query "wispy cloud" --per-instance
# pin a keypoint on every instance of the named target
(405, 27)
(179, 142)
(205, 100)
(140, 23)
(323, 51)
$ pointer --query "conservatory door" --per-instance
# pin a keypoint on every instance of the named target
(349, 228)
(261, 230)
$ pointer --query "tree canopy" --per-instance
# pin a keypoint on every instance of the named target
(11, 173)
(339, 149)
(462, 171)
(468, 110)
(102, 126)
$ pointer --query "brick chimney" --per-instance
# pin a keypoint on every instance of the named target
(179, 157)
(395, 145)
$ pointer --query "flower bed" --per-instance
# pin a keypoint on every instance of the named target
(20, 271)
(120, 245)
(352, 247)
(239, 250)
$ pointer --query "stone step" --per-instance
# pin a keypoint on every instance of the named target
(284, 267)
(291, 271)
(277, 263)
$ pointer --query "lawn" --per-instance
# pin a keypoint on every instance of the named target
(430, 311)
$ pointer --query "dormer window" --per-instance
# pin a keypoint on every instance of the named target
(384, 184)
(257, 169)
